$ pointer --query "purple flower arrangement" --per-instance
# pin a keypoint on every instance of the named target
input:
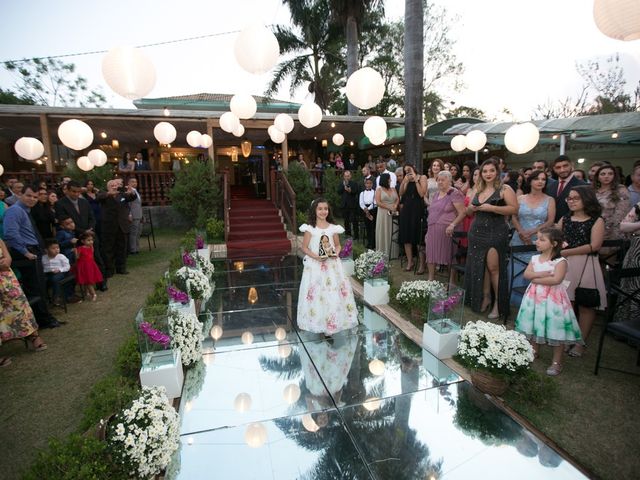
(177, 296)
(188, 260)
(199, 242)
(444, 306)
(378, 269)
(347, 249)
(156, 336)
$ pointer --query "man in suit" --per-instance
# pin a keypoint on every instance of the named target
(350, 163)
(563, 168)
(141, 164)
(135, 217)
(115, 226)
(349, 191)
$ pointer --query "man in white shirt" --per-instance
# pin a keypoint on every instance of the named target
(381, 167)
(369, 209)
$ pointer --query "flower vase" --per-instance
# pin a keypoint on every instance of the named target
(348, 266)
(440, 337)
(376, 291)
(184, 308)
(488, 383)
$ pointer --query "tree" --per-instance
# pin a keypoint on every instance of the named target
(52, 82)
(413, 80)
(7, 97)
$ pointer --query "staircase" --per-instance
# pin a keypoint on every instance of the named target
(255, 227)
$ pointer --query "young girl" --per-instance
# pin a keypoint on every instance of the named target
(85, 269)
(546, 314)
(325, 301)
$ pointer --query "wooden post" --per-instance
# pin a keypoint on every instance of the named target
(46, 141)
(285, 153)
(212, 149)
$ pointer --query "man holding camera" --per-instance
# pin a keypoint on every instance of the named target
(115, 225)
(349, 191)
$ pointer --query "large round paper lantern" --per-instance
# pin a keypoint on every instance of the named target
(75, 134)
(243, 105)
(256, 49)
(206, 141)
(1, 170)
(229, 122)
(283, 122)
(247, 338)
(165, 133)
(365, 88)
(194, 138)
(619, 19)
(129, 72)
(276, 135)
(475, 140)
(338, 139)
(239, 131)
(309, 114)
(379, 140)
(374, 127)
(29, 148)
(255, 435)
(242, 402)
(521, 138)
(458, 143)
(376, 367)
(280, 333)
(84, 164)
(284, 350)
(97, 157)
(216, 332)
(309, 423)
(291, 393)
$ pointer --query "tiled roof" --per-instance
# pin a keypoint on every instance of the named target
(213, 97)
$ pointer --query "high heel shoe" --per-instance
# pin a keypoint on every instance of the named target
(485, 306)
(31, 342)
(493, 316)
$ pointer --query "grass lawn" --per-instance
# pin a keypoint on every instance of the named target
(43, 394)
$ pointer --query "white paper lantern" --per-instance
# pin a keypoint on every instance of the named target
(29, 148)
(291, 393)
(475, 140)
(280, 333)
(365, 88)
(256, 49)
(229, 122)
(309, 114)
(378, 140)
(247, 338)
(239, 131)
(129, 72)
(372, 403)
(619, 19)
(75, 134)
(309, 423)
(374, 127)
(84, 164)
(165, 133)
(194, 138)
(216, 332)
(97, 157)
(283, 122)
(1, 170)
(458, 143)
(338, 139)
(376, 367)
(242, 402)
(277, 136)
(206, 141)
(521, 138)
(284, 350)
(243, 105)
(255, 435)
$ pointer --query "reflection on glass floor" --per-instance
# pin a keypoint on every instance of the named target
(272, 401)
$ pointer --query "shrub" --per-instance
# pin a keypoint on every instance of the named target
(159, 295)
(99, 175)
(196, 193)
(215, 230)
(107, 397)
(301, 183)
(330, 182)
(128, 358)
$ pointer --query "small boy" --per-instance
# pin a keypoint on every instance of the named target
(56, 267)
(66, 238)
(369, 208)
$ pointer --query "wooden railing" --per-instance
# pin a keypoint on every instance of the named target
(284, 199)
(227, 203)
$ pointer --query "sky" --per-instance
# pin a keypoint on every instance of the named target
(516, 54)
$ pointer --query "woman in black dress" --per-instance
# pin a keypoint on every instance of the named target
(488, 237)
(412, 191)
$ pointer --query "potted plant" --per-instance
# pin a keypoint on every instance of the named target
(180, 301)
(346, 257)
(372, 267)
(186, 336)
(444, 316)
(493, 354)
(415, 295)
(195, 283)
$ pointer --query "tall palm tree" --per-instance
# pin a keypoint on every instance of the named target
(413, 79)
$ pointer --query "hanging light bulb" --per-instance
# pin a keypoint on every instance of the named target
(216, 332)
(253, 296)
(246, 146)
(239, 266)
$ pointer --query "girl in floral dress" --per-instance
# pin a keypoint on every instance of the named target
(546, 314)
(325, 301)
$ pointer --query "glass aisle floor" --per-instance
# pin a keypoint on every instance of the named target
(270, 401)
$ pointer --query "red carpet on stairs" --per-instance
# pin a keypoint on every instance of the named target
(255, 227)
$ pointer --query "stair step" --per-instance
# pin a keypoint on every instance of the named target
(266, 218)
(242, 236)
(255, 226)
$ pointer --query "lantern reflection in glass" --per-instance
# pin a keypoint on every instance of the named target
(253, 296)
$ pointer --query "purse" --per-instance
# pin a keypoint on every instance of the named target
(587, 297)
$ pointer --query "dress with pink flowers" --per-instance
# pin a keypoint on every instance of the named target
(325, 300)
(546, 314)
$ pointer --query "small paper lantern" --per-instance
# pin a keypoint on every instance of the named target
(309, 114)
(256, 49)
(84, 164)
(521, 138)
(75, 134)
(277, 137)
(458, 143)
(245, 146)
(281, 333)
(475, 140)
(372, 403)
(338, 139)
(29, 148)
(365, 88)
(165, 133)
(376, 367)
(205, 141)
(284, 123)
(216, 332)
(247, 338)
(252, 296)
(129, 72)
(291, 393)
(309, 423)
(284, 350)
(255, 435)
(238, 132)
(618, 19)
(374, 127)
(243, 106)
(242, 402)
(97, 157)
(229, 122)
(194, 138)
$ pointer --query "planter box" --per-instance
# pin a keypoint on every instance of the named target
(436, 368)
(440, 337)
(376, 291)
(163, 368)
(188, 308)
(348, 266)
(204, 252)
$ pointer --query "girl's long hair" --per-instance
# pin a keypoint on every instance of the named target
(590, 203)
(615, 196)
(497, 183)
(554, 235)
(312, 218)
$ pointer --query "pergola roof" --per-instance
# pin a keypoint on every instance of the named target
(214, 102)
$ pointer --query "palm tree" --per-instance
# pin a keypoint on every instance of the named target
(314, 51)
(413, 79)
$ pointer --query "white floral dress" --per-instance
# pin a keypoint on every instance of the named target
(325, 302)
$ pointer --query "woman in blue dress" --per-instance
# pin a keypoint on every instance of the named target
(536, 210)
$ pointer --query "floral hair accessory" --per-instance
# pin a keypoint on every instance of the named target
(346, 250)
(177, 296)
(199, 242)
(443, 306)
(188, 260)
(156, 336)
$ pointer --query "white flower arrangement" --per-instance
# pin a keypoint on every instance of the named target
(203, 264)
(186, 335)
(491, 347)
(195, 282)
(193, 381)
(145, 435)
(370, 264)
(418, 292)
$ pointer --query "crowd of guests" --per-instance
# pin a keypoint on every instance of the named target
(57, 243)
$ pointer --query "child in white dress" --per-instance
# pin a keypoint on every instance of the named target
(325, 302)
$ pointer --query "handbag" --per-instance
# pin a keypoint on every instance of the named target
(587, 297)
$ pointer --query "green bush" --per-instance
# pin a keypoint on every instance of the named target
(128, 358)
(301, 217)
(196, 193)
(215, 230)
(301, 183)
(99, 175)
(159, 296)
(108, 396)
(330, 182)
